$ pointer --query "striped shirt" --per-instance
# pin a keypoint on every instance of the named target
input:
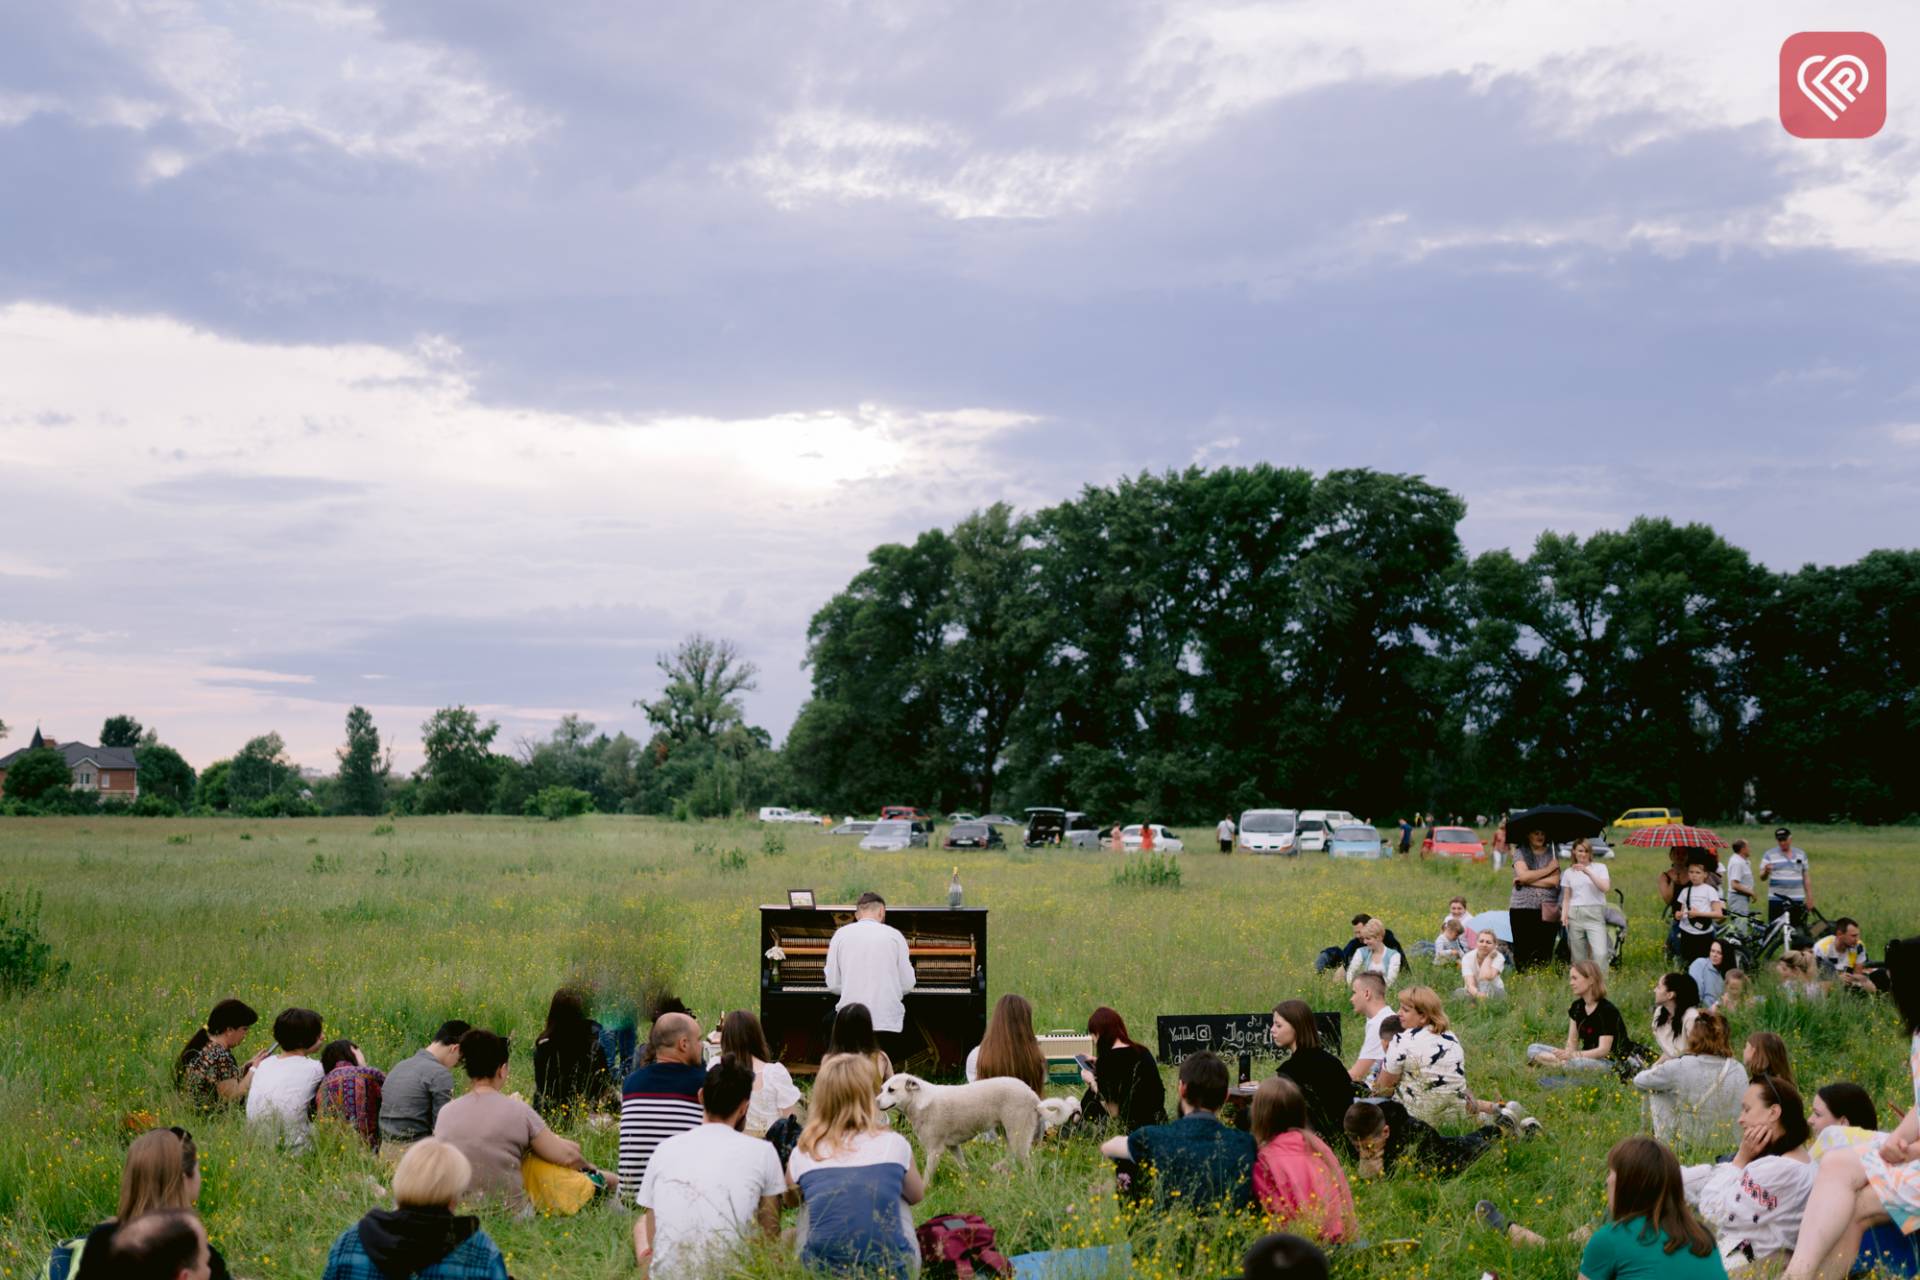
(1786, 873)
(657, 1101)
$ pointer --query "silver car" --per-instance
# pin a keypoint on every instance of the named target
(893, 835)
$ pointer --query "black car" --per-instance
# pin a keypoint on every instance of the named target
(973, 835)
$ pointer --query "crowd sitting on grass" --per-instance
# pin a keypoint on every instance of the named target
(712, 1147)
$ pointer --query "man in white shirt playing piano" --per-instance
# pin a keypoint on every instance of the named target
(867, 963)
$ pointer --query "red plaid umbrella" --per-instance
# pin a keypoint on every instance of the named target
(1672, 837)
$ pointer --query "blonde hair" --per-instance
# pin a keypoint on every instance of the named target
(841, 1108)
(431, 1175)
(158, 1165)
(1427, 1001)
(1596, 978)
(1373, 929)
(1581, 846)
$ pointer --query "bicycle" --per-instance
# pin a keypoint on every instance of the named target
(1776, 935)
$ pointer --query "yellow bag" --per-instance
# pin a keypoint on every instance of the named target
(554, 1189)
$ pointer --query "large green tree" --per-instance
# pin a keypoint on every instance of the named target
(1836, 683)
(361, 786)
(38, 775)
(460, 772)
(120, 731)
(165, 773)
(260, 769)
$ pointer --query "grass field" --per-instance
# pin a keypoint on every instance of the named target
(389, 928)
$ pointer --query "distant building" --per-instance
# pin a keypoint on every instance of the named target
(111, 771)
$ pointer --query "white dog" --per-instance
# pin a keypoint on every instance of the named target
(1055, 1112)
(945, 1115)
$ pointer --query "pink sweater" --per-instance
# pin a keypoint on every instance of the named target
(1298, 1180)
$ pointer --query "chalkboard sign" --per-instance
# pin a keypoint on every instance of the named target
(1232, 1034)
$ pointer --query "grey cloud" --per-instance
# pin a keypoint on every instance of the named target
(234, 489)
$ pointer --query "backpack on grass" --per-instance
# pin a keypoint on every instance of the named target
(955, 1244)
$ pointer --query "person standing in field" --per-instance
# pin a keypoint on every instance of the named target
(1739, 881)
(1406, 835)
(1225, 833)
(1584, 905)
(1789, 886)
(419, 1086)
(1146, 837)
(1534, 907)
(868, 964)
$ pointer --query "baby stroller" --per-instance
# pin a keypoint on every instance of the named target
(1616, 933)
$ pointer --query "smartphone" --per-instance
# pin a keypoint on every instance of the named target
(1086, 1063)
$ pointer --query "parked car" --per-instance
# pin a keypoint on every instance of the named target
(998, 820)
(1648, 818)
(894, 834)
(1454, 842)
(908, 811)
(774, 813)
(1269, 831)
(1356, 840)
(961, 817)
(1164, 841)
(1311, 835)
(1061, 826)
(851, 829)
(973, 835)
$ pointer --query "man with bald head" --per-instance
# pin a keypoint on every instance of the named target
(661, 1097)
(170, 1245)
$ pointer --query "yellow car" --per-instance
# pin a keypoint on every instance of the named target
(1649, 818)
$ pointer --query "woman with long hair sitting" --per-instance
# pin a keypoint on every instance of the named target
(1297, 1179)
(1861, 1186)
(421, 1237)
(1124, 1082)
(856, 1179)
(1321, 1077)
(853, 1036)
(569, 1066)
(1754, 1202)
(162, 1174)
(1765, 1054)
(206, 1070)
(1009, 1047)
(1650, 1232)
(774, 1093)
(1676, 1003)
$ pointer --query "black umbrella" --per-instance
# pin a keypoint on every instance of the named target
(1562, 823)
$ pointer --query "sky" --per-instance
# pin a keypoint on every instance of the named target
(474, 351)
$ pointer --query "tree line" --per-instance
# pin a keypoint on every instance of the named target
(1183, 645)
(1194, 643)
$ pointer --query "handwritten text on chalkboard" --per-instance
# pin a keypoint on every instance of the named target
(1232, 1034)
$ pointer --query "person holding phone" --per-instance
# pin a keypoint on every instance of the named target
(1123, 1081)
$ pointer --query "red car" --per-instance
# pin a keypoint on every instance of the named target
(1454, 842)
(908, 812)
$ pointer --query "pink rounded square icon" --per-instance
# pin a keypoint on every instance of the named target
(1833, 84)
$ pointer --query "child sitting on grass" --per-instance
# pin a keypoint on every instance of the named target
(1450, 947)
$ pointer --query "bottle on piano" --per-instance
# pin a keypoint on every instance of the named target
(955, 895)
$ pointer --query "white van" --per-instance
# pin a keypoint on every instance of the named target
(776, 813)
(1316, 825)
(1268, 831)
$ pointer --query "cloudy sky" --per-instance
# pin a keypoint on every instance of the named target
(473, 351)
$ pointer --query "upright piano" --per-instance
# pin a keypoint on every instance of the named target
(946, 1010)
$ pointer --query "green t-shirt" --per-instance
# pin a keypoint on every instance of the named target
(1618, 1251)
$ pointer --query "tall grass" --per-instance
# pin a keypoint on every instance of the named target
(496, 913)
